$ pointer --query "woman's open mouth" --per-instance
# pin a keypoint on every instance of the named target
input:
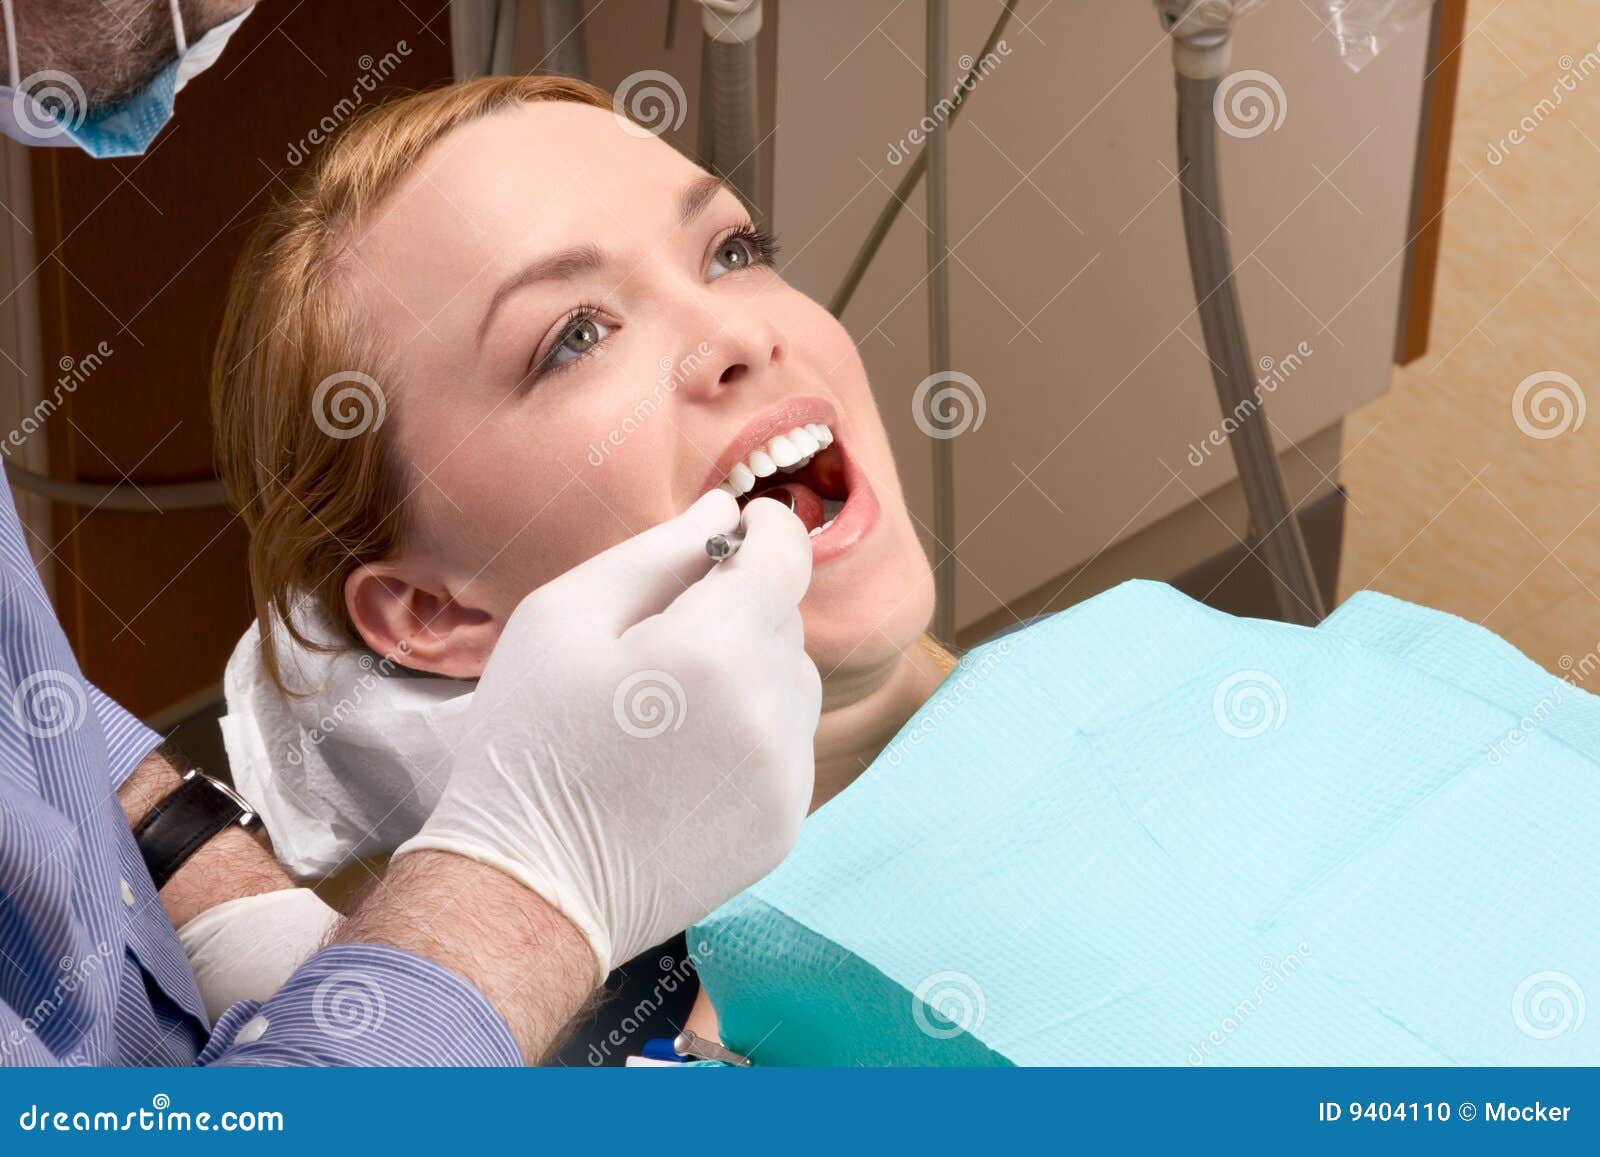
(830, 494)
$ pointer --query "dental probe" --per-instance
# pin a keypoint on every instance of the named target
(721, 546)
(687, 1044)
(726, 545)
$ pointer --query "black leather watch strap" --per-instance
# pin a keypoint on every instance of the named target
(196, 810)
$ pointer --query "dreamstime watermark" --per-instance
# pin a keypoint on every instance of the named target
(1548, 404)
(1249, 103)
(972, 71)
(160, 1117)
(373, 671)
(73, 974)
(49, 703)
(649, 103)
(1274, 974)
(1249, 703)
(49, 103)
(948, 1004)
(961, 683)
(649, 703)
(1274, 372)
(74, 372)
(1548, 1004)
(674, 975)
(348, 404)
(1575, 672)
(1573, 73)
(349, 1004)
(373, 73)
(947, 404)
(672, 376)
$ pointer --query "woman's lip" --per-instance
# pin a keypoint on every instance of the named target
(778, 419)
(855, 519)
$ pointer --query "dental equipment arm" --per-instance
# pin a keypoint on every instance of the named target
(729, 124)
(639, 748)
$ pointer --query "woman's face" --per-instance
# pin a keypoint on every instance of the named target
(589, 336)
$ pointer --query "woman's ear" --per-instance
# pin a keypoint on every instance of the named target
(424, 627)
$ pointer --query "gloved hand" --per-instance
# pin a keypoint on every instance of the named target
(639, 748)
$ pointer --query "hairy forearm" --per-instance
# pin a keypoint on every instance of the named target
(525, 957)
(231, 864)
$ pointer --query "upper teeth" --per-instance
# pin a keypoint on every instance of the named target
(788, 452)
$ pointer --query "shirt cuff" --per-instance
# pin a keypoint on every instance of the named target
(362, 1004)
(127, 740)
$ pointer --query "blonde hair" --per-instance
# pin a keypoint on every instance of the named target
(318, 496)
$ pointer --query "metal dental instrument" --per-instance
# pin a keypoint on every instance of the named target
(688, 1044)
(721, 546)
(726, 545)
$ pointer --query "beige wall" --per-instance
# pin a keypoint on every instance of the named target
(1072, 304)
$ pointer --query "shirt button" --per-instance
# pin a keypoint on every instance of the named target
(252, 1030)
(128, 897)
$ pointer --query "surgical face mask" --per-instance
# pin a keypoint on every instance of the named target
(51, 107)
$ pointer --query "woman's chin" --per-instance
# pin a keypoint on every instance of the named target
(869, 621)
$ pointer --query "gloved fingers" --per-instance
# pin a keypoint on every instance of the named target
(763, 583)
(791, 635)
(641, 576)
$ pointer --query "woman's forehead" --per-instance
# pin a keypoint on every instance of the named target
(543, 171)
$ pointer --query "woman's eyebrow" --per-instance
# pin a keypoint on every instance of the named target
(571, 262)
(556, 266)
(697, 194)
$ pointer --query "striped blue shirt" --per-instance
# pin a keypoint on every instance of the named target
(91, 971)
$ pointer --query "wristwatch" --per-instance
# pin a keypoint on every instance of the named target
(197, 809)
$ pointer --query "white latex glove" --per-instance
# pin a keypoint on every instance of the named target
(639, 748)
(246, 949)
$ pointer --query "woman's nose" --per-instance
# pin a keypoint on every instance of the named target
(743, 349)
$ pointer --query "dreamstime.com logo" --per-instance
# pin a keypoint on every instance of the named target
(348, 404)
(1547, 1005)
(160, 1117)
(953, 692)
(1275, 973)
(948, 1004)
(373, 672)
(74, 372)
(1548, 404)
(675, 973)
(649, 703)
(374, 71)
(947, 404)
(1274, 373)
(49, 103)
(972, 71)
(1249, 103)
(1573, 73)
(672, 376)
(1249, 703)
(649, 103)
(72, 974)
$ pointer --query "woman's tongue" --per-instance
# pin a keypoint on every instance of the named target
(821, 479)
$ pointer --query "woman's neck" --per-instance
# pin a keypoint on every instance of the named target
(862, 712)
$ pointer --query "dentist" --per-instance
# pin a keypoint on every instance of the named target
(565, 842)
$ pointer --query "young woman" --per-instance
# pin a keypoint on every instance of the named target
(497, 329)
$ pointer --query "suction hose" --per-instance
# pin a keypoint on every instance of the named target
(1200, 57)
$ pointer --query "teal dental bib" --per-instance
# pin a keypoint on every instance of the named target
(1142, 832)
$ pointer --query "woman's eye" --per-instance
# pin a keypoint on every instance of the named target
(581, 337)
(734, 253)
